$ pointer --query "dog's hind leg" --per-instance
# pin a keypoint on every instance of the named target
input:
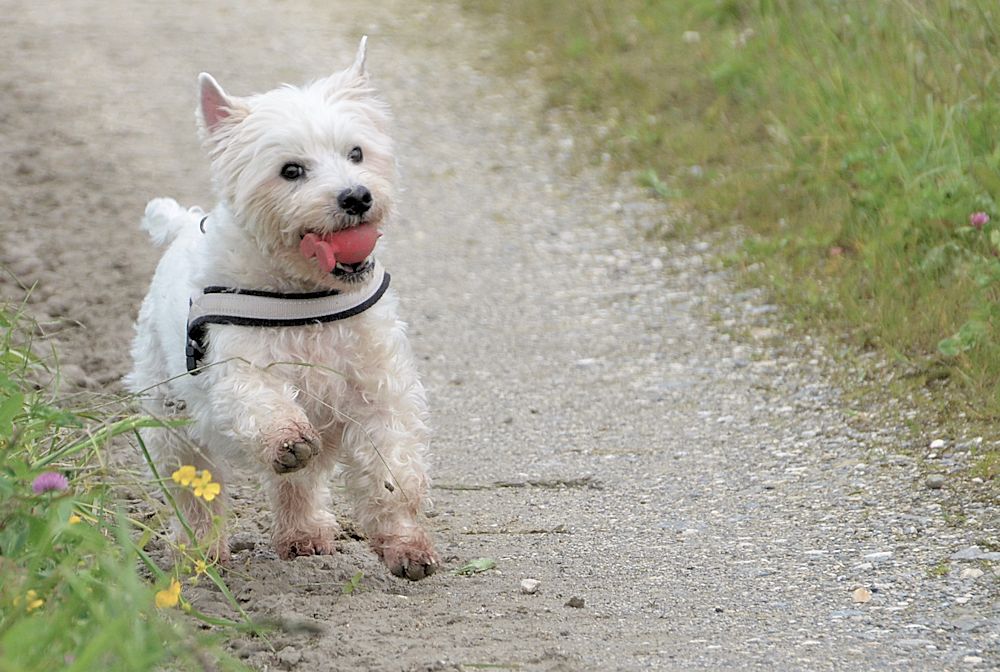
(202, 522)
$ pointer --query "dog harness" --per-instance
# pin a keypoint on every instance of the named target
(255, 308)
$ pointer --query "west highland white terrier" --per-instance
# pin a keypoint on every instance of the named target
(269, 323)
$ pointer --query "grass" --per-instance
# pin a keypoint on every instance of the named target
(78, 590)
(851, 141)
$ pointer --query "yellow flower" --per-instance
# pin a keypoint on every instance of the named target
(169, 597)
(207, 491)
(34, 602)
(200, 566)
(185, 475)
(204, 487)
(31, 601)
(74, 519)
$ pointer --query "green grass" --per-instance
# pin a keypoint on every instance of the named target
(851, 141)
(77, 588)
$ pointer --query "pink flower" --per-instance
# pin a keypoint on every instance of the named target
(49, 481)
(978, 219)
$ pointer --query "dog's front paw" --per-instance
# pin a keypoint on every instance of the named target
(410, 557)
(290, 448)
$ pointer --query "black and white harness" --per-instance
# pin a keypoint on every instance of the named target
(255, 308)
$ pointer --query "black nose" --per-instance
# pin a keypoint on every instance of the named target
(355, 201)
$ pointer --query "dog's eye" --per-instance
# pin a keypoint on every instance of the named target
(293, 171)
(355, 155)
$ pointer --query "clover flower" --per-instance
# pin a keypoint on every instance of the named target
(49, 481)
(170, 596)
(978, 220)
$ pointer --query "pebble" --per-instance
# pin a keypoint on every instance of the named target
(937, 444)
(861, 595)
(529, 586)
(242, 542)
(914, 643)
(878, 557)
(972, 660)
(935, 481)
(971, 573)
(576, 602)
(289, 656)
(975, 553)
(846, 613)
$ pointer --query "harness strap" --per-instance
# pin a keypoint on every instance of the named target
(255, 308)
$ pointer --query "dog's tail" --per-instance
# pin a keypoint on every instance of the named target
(165, 218)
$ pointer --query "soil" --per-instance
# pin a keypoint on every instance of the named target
(686, 498)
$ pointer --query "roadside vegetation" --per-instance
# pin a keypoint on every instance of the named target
(78, 588)
(856, 144)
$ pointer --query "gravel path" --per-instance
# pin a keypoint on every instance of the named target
(612, 419)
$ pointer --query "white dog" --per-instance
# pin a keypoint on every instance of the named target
(269, 322)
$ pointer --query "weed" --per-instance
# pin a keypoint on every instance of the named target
(855, 143)
(476, 566)
(940, 569)
(72, 590)
(353, 584)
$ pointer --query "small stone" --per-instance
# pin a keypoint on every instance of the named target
(242, 542)
(575, 602)
(861, 595)
(975, 553)
(289, 656)
(846, 613)
(937, 444)
(914, 643)
(971, 573)
(878, 557)
(530, 586)
(935, 481)
(972, 660)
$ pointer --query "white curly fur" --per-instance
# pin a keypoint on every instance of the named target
(292, 402)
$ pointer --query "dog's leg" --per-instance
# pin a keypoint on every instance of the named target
(262, 413)
(383, 445)
(302, 524)
(259, 411)
(206, 520)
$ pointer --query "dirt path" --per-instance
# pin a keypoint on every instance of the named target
(708, 498)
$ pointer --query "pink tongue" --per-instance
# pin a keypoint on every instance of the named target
(350, 246)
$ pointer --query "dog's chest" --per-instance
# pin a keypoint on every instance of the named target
(328, 365)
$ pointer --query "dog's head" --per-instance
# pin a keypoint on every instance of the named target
(303, 160)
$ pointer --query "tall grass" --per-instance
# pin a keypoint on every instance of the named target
(78, 591)
(853, 139)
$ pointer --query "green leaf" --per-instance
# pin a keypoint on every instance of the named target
(353, 584)
(476, 566)
(949, 347)
(970, 335)
(9, 408)
(651, 179)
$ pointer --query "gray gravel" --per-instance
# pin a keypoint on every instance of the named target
(614, 420)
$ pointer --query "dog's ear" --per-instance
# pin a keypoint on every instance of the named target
(357, 69)
(215, 106)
